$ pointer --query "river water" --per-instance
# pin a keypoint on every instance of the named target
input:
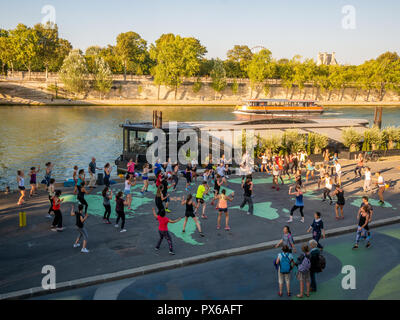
(68, 136)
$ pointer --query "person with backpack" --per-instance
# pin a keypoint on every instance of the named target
(317, 263)
(284, 263)
(303, 264)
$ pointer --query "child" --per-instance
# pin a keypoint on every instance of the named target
(287, 240)
(80, 220)
(303, 271)
(317, 228)
(163, 229)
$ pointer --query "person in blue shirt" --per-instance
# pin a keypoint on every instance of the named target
(299, 204)
(317, 228)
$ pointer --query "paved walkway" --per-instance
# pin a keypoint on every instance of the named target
(252, 276)
(24, 251)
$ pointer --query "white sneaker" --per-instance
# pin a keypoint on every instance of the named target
(123, 230)
(290, 220)
(302, 220)
(84, 250)
(76, 245)
(116, 225)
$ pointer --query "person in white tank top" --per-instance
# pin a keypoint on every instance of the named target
(21, 186)
(367, 180)
(328, 188)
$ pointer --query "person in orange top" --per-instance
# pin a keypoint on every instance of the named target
(223, 207)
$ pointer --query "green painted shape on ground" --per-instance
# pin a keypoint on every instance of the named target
(388, 286)
(255, 180)
(332, 289)
(375, 203)
(262, 210)
(187, 236)
(96, 208)
(284, 210)
(394, 233)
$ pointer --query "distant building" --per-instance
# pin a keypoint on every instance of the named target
(326, 59)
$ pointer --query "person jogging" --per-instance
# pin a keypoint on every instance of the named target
(317, 228)
(247, 187)
(299, 204)
(107, 196)
(223, 208)
(189, 213)
(80, 224)
(163, 229)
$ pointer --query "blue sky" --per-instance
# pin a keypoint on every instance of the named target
(286, 27)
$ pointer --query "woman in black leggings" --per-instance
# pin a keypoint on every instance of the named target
(81, 196)
(119, 209)
(107, 196)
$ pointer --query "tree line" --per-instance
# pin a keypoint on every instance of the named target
(172, 58)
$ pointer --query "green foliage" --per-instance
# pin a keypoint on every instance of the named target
(176, 57)
(260, 68)
(102, 76)
(293, 141)
(235, 87)
(239, 58)
(373, 139)
(316, 142)
(272, 143)
(351, 139)
(218, 76)
(131, 49)
(197, 86)
(74, 73)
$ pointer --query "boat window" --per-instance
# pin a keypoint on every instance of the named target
(138, 143)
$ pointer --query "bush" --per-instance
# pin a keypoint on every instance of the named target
(351, 139)
(316, 142)
(373, 139)
(272, 143)
(390, 136)
(293, 141)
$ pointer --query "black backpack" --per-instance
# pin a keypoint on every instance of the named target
(321, 263)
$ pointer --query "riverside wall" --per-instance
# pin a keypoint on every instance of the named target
(18, 87)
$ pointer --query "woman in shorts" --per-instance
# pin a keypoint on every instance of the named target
(145, 178)
(21, 186)
(223, 208)
(189, 213)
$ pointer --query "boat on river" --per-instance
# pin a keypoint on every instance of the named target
(280, 106)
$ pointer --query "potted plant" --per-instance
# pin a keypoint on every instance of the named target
(351, 139)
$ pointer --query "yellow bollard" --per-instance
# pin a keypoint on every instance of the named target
(22, 219)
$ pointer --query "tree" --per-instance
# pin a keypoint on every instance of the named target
(218, 76)
(239, 58)
(6, 50)
(48, 43)
(175, 58)
(74, 73)
(132, 50)
(26, 44)
(260, 68)
(102, 77)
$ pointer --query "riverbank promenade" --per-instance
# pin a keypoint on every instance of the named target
(114, 255)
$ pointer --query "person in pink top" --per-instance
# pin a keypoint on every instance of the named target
(131, 167)
(223, 208)
(163, 229)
